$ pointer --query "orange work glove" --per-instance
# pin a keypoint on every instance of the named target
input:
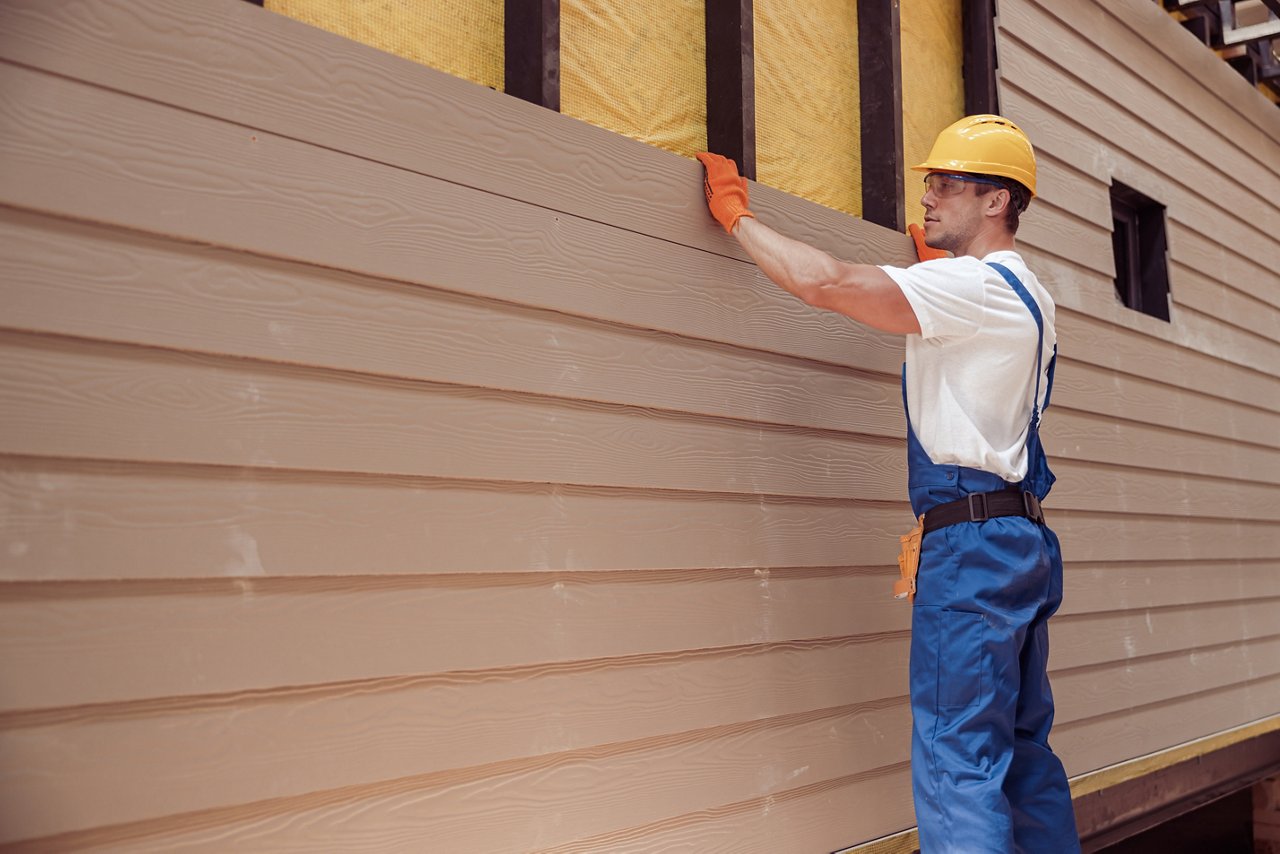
(924, 251)
(726, 190)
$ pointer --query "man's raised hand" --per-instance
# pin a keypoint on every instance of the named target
(726, 190)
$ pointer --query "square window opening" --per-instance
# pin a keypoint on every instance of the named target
(1139, 245)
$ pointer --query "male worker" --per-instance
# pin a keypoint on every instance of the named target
(979, 366)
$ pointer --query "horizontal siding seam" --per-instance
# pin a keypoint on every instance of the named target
(1119, 713)
(349, 376)
(1139, 121)
(1161, 91)
(593, 843)
(1173, 608)
(274, 807)
(152, 706)
(1085, 132)
(1173, 655)
(1145, 35)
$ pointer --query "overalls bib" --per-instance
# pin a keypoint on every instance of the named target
(983, 775)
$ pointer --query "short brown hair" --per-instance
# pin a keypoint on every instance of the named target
(1019, 198)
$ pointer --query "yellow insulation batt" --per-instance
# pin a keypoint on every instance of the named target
(637, 68)
(640, 69)
(806, 66)
(932, 84)
(461, 37)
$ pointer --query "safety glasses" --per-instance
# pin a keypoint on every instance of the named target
(945, 184)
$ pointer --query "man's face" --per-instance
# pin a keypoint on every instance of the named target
(952, 211)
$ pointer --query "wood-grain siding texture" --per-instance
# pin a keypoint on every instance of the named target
(390, 464)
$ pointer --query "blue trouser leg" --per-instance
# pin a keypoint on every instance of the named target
(984, 777)
(1036, 786)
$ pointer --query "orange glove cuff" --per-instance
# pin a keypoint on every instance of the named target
(924, 251)
(726, 190)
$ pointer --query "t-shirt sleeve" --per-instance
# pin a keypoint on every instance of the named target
(948, 296)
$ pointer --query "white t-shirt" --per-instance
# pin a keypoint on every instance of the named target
(971, 370)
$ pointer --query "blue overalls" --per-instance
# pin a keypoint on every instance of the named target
(983, 774)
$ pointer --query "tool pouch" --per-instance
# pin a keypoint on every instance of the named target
(909, 563)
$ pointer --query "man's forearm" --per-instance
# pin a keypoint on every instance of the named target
(794, 266)
(861, 291)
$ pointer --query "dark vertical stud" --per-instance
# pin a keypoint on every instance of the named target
(978, 20)
(731, 82)
(880, 76)
(532, 42)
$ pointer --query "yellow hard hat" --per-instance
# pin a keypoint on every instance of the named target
(984, 145)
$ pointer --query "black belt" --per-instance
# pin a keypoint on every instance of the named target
(981, 506)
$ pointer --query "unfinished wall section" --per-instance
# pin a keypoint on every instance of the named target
(390, 463)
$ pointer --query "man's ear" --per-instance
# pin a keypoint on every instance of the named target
(997, 202)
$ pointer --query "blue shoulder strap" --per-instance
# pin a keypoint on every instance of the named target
(1034, 308)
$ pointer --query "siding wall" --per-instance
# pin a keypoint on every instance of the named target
(391, 464)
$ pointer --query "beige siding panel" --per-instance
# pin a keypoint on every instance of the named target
(478, 244)
(1093, 743)
(1059, 134)
(1082, 386)
(307, 721)
(1047, 227)
(68, 278)
(1067, 188)
(1195, 290)
(102, 521)
(1103, 342)
(811, 817)
(148, 405)
(1093, 112)
(648, 780)
(234, 750)
(1080, 640)
(1100, 438)
(1088, 536)
(1236, 264)
(239, 636)
(301, 740)
(851, 347)
(76, 279)
(87, 521)
(1106, 56)
(1247, 349)
(130, 403)
(1166, 50)
(1122, 489)
(1083, 292)
(661, 779)
(1119, 686)
(401, 465)
(61, 641)
(281, 76)
(1136, 585)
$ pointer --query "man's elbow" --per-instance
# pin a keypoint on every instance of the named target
(819, 286)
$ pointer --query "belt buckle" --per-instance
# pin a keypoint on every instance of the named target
(1032, 506)
(973, 513)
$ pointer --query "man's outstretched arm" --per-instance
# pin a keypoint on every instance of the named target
(861, 291)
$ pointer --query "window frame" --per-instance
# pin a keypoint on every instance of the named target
(1139, 247)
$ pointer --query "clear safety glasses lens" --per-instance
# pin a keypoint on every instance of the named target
(944, 184)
